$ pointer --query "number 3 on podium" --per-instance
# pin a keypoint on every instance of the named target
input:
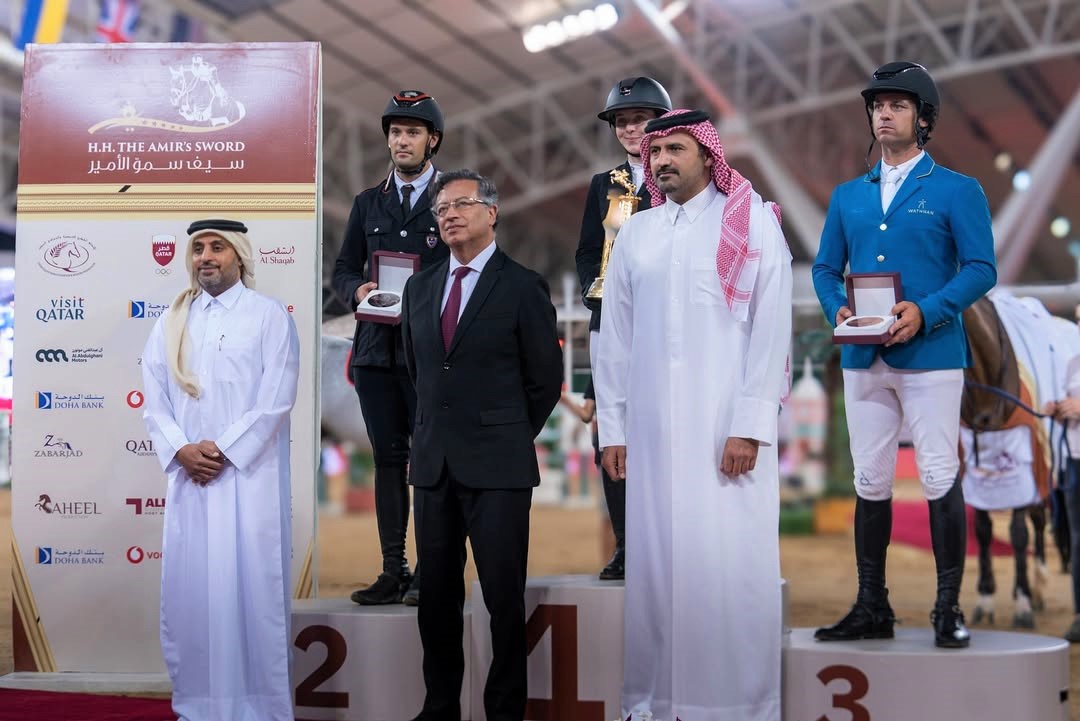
(858, 685)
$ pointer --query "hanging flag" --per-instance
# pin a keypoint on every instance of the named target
(117, 21)
(43, 22)
(186, 29)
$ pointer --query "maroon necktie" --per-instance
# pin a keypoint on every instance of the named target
(453, 307)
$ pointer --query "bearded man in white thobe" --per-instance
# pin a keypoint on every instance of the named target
(219, 374)
(693, 354)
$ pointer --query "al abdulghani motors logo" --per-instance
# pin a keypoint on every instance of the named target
(66, 255)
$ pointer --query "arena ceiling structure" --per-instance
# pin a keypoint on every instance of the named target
(780, 77)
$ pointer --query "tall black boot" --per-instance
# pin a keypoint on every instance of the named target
(948, 534)
(871, 616)
(392, 516)
(615, 497)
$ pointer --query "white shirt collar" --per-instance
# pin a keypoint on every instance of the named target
(693, 207)
(904, 167)
(227, 298)
(419, 183)
(476, 264)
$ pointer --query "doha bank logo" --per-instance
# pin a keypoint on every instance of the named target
(145, 309)
(50, 401)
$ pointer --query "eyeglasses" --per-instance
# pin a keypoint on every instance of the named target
(440, 210)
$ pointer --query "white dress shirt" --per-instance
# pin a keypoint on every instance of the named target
(469, 281)
(892, 177)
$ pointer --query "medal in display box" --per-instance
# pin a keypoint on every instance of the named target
(390, 270)
(871, 297)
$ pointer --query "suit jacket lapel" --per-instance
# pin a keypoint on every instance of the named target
(484, 284)
(438, 287)
(911, 184)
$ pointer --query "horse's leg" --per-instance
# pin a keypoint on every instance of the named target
(1023, 617)
(984, 534)
(1062, 533)
(1037, 513)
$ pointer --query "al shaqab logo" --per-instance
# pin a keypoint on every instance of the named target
(199, 98)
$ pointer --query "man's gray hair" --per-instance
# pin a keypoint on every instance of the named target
(486, 189)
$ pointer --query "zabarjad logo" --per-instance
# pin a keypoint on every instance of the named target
(135, 399)
(56, 447)
(67, 255)
(197, 94)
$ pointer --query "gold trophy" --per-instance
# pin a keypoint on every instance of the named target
(620, 207)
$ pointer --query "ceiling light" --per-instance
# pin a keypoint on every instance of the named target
(556, 32)
(1021, 180)
(1002, 161)
(1060, 226)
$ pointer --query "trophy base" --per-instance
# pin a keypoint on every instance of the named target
(596, 290)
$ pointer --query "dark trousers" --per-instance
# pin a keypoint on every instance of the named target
(388, 402)
(1072, 507)
(497, 525)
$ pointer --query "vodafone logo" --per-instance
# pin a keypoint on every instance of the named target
(136, 555)
(135, 399)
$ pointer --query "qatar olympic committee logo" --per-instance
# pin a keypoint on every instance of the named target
(66, 255)
(163, 247)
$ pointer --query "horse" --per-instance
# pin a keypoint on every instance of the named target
(997, 406)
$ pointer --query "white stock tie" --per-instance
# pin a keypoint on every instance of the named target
(890, 183)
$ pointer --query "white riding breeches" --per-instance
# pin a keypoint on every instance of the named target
(877, 400)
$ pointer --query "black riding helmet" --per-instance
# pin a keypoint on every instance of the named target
(419, 105)
(902, 76)
(639, 92)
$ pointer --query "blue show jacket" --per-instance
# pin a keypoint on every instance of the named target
(936, 234)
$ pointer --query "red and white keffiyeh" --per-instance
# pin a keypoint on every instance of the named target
(736, 261)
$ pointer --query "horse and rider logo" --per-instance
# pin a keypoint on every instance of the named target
(197, 94)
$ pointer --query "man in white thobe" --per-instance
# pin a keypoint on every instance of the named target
(694, 343)
(219, 374)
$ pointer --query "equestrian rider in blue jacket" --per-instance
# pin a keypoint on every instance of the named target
(931, 225)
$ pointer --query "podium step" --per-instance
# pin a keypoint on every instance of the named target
(361, 663)
(1001, 677)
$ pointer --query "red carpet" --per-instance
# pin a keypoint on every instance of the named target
(911, 525)
(18, 705)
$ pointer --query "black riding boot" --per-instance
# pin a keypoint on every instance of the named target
(615, 497)
(392, 515)
(948, 534)
(871, 616)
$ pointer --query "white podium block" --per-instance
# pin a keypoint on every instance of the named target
(574, 626)
(361, 663)
(1001, 677)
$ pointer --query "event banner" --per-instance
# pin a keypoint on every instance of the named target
(121, 148)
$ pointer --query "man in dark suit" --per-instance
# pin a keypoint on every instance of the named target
(393, 215)
(630, 105)
(483, 351)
